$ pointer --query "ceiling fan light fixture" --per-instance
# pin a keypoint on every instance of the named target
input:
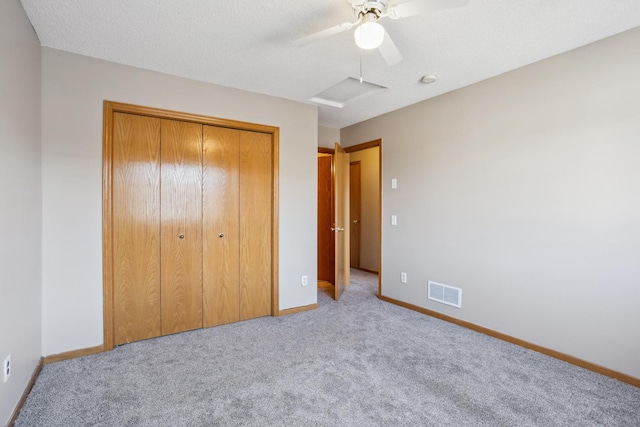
(369, 35)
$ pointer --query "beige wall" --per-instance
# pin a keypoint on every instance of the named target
(74, 88)
(20, 194)
(524, 191)
(327, 137)
(369, 207)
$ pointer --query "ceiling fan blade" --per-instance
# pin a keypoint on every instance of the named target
(389, 50)
(418, 7)
(346, 26)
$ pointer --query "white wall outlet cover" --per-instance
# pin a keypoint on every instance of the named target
(403, 277)
(394, 183)
(394, 220)
(304, 281)
(6, 368)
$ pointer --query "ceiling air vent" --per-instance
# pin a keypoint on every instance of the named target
(445, 294)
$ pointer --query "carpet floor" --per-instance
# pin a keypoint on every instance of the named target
(355, 362)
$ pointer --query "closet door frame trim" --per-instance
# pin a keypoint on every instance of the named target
(111, 107)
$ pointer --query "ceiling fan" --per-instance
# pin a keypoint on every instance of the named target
(369, 34)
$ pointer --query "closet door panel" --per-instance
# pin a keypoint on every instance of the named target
(136, 227)
(255, 224)
(181, 226)
(221, 268)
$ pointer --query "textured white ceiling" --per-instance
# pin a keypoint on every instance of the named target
(246, 44)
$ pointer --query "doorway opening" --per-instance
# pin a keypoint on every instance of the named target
(326, 244)
(364, 204)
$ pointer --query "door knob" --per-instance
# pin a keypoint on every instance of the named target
(337, 229)
(221, 235)
(181, 236)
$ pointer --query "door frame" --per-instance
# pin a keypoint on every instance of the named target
(329, 152)
(111, 107)
(341, 228)
(354, 243)
(365, 146)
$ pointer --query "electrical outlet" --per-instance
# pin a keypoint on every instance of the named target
(304, 281)
(403, 277)
(6, 369)
(394, 220)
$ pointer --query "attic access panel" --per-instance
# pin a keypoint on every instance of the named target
(347, 91)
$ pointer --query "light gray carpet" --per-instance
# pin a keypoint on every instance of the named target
(356, 362)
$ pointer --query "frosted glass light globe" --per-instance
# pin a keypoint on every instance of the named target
(369, 35)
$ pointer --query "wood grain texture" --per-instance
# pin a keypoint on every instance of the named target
(380, 216)
(136, 227)
(363, 146)
(354, 213)
(341, 206)
(53, 358)
(221, 215)
(181, 214)
(300, 309)
(255, 224)
(275, 217)
(107, 225)
(324, 150)
(326, 250)
(110, 108)
(120, 107)
(522, 343)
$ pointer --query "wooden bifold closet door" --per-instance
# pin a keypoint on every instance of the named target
(237, 222)
(191, 226)
(181, 226)
(136, 228)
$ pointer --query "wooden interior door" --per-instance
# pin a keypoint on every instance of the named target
(136, 227)
(341, 227)
(256, 233)
(354, 213)
(181, 226)
(326, 251)
(221, 223)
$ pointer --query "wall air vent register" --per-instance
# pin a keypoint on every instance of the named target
(445, 294)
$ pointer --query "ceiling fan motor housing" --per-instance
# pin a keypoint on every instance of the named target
(369, 10)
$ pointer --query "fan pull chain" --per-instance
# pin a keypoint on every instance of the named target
(361, 79)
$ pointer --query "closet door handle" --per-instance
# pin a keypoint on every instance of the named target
(181, 236)
(221, 235)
